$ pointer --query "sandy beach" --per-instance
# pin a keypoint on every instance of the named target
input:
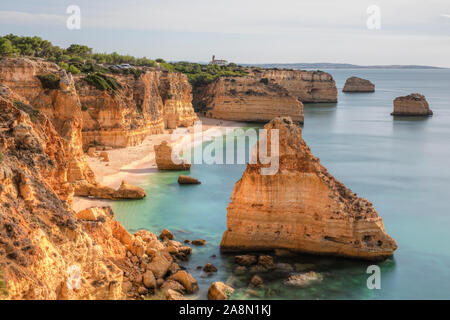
(133, 164)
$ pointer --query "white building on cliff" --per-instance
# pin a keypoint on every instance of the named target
(218, 62)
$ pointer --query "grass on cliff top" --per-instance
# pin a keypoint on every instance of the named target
(49, 81)
(102, 82)
(200, 75)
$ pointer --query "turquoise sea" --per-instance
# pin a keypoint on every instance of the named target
(400, 164)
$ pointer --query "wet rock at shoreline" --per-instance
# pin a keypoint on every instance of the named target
(220, 291)
(414, 104)
(166, 234)
(355, 84)
(303, 279)
(209, 267)
(199, 242)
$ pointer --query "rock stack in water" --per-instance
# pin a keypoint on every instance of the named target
(301, 208)
(355, 84)
(411, 105)
(163, 157)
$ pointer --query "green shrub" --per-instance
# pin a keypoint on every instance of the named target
(49, 81)
(102, 82)
(1, 156)
(74, 70)
(265, 81)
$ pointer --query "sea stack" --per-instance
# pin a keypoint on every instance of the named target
(301, 208)
(355, 84)
(414, 104)
(164, 161)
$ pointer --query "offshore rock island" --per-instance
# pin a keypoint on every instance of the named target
(302, 208)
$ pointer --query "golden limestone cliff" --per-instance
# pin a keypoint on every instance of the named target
(302, 208)
(49, 252)
(248, 99)
(176, 94)
(145, 104)
(307, 86)
(124, 117)
(60, 104)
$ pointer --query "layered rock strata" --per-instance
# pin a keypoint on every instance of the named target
(301, 208)
(61, 105)
(414, 104)
(355, 84)
(307, 86)
(249, 99)
(49, 252)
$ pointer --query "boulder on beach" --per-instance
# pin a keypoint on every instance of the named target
(355, 84)
(414, 104)
(187, 180)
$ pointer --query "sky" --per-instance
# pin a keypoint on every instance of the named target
(245, 31)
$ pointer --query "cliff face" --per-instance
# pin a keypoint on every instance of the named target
(125, 117)
(61, 105)
(411, 105)
(176, 94)
(46, 250)
(307, 86)
(302, 208)
(143, 106)
(355, 84)
(249, 99)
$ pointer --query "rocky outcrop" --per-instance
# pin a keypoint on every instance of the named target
(163, 158)
(61, 105)
(355, 84)
(220, 291)
(176, 94)
(187, 180)
(411, 105)
(47, 251)
(143, 105)
(307, 86)
(301, 208)
(249, 99)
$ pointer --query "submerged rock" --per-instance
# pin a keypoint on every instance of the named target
(209, 267)
(198, 242)
(303, 279)
(219, 291)
(411, 105)
(355, 84)
(301, 207)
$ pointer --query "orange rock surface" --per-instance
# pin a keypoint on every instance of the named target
(302, 208)
(249, 99)
(414, 104)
